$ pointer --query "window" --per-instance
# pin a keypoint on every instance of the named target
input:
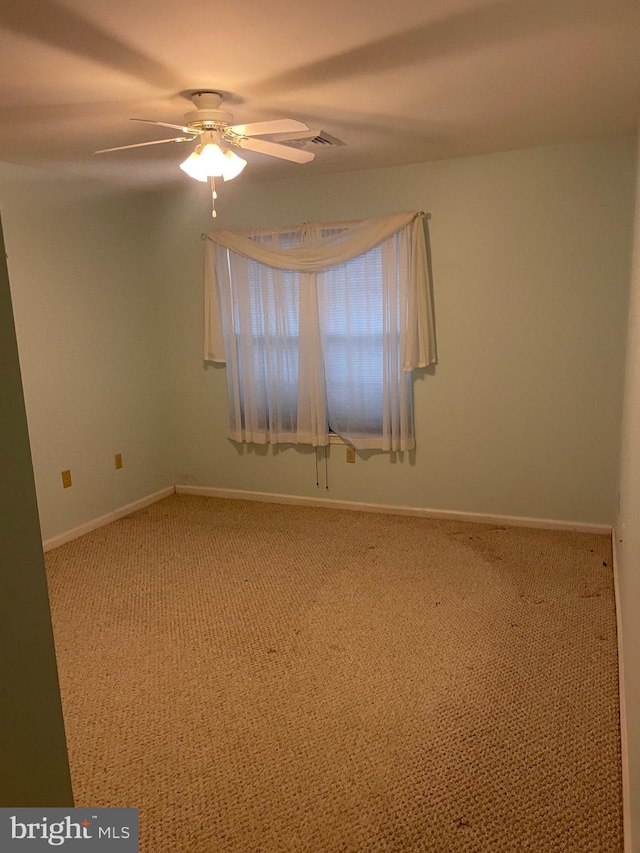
(314, 346)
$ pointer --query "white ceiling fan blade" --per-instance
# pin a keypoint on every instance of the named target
(143, 144)
(276, 150)
(163, 124)
(258, 128)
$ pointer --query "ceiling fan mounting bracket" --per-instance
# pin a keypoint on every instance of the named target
(207, 99)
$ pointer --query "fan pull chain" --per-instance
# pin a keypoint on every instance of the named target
(214, 196)
(326, 467)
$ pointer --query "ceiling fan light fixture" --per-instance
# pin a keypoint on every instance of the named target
(207, 161)
(215, 131)
(210, 161)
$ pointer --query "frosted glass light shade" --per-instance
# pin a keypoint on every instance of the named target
(234, 165)
(192, 168)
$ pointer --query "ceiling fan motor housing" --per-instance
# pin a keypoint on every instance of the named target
(207, 119)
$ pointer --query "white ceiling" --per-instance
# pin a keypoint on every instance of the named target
(399, 81)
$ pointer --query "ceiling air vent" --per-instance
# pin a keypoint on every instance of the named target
(308, 139)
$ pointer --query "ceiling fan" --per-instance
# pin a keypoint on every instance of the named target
(216, 135)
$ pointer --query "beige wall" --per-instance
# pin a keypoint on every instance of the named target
(531, 253)
(34, 768)
(628, 534)
(87, 312)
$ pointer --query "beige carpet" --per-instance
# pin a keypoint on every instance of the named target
(268, 678)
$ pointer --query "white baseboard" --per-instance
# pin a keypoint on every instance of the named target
(624, 746)
(88, 526)
(301, 500)
(391, 509)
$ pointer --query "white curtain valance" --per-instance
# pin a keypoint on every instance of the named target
(354, 239)
(351, 240)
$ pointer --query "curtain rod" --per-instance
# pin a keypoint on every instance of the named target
(204, 236)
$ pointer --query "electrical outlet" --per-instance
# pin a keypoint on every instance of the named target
(118, 460)
(351, 454)
(66, 479)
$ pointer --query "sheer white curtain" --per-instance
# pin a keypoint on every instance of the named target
(320, 327)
